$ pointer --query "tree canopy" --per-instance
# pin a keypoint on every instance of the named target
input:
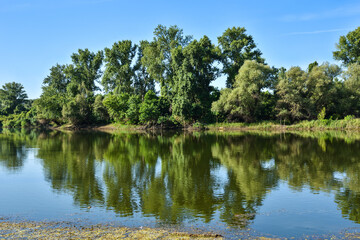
(236, 47)
(348, 48)
(12, 98)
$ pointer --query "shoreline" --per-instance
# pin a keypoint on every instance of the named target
(352, 124)
(27, 229)
(316, 125)
(68, 230)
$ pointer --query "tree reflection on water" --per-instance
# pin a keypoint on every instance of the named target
(177, 176)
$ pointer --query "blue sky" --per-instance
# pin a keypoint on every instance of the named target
(37, 34)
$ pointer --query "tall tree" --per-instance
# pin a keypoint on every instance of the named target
(119, 72)
(352, 86)
(142, 81)
(348, 48)
(312, 65)
(293, 103)
(157, 55)
(83, 72)
(53, 97)
(12, 96)
(56, 79)
(321, 85)
(236, 47)
(194, 71)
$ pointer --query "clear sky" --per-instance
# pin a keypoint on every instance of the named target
(37, 34)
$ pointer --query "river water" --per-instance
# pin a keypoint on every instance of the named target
(266, 184)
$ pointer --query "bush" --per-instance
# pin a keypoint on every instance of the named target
(349, 117)
(77, 111)
(321, 115)
(100, 111)
(132, 113)
(168, 121)
(149, 110)
(117, 105)
(198, 125)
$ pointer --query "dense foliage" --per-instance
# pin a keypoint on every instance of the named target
(120, 84)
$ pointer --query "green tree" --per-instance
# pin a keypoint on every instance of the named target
(348, 48)
(142, 80)
(83, 72)
(292, 93)
(195, 70)
(157, 55)
(77, 110)
(236, 47)
(119, 72)
(12, 97)
(99, 110)
(244, 101)
(132, 113)
(321, 88)
(312, 65)
(352, 88)
(149, 109)
(49, 105)
(222, 106)
(117, 106)
(53, 97)
(56, 79)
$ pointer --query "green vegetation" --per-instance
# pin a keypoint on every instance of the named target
(348, 48)
(118, 85)
(348, 123)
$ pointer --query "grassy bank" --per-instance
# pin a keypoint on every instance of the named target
(326, 124)
(352, 124)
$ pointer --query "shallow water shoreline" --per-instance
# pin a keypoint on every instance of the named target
(67, 230)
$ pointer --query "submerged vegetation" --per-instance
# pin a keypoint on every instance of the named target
(167, 82)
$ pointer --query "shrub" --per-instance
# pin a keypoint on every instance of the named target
(149, 110)
(349, 117)
(132, 113)
(321, 115)
(117, 105)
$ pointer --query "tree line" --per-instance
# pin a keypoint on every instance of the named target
(167, 81)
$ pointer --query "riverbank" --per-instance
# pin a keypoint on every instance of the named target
(66, 230)
(314, 125)
(126, 127)
(352, 124)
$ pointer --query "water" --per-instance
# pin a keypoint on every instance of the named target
(277, 185)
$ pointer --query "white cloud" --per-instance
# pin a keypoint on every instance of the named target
(317, 31)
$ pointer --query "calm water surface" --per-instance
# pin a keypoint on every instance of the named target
(268, 184)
